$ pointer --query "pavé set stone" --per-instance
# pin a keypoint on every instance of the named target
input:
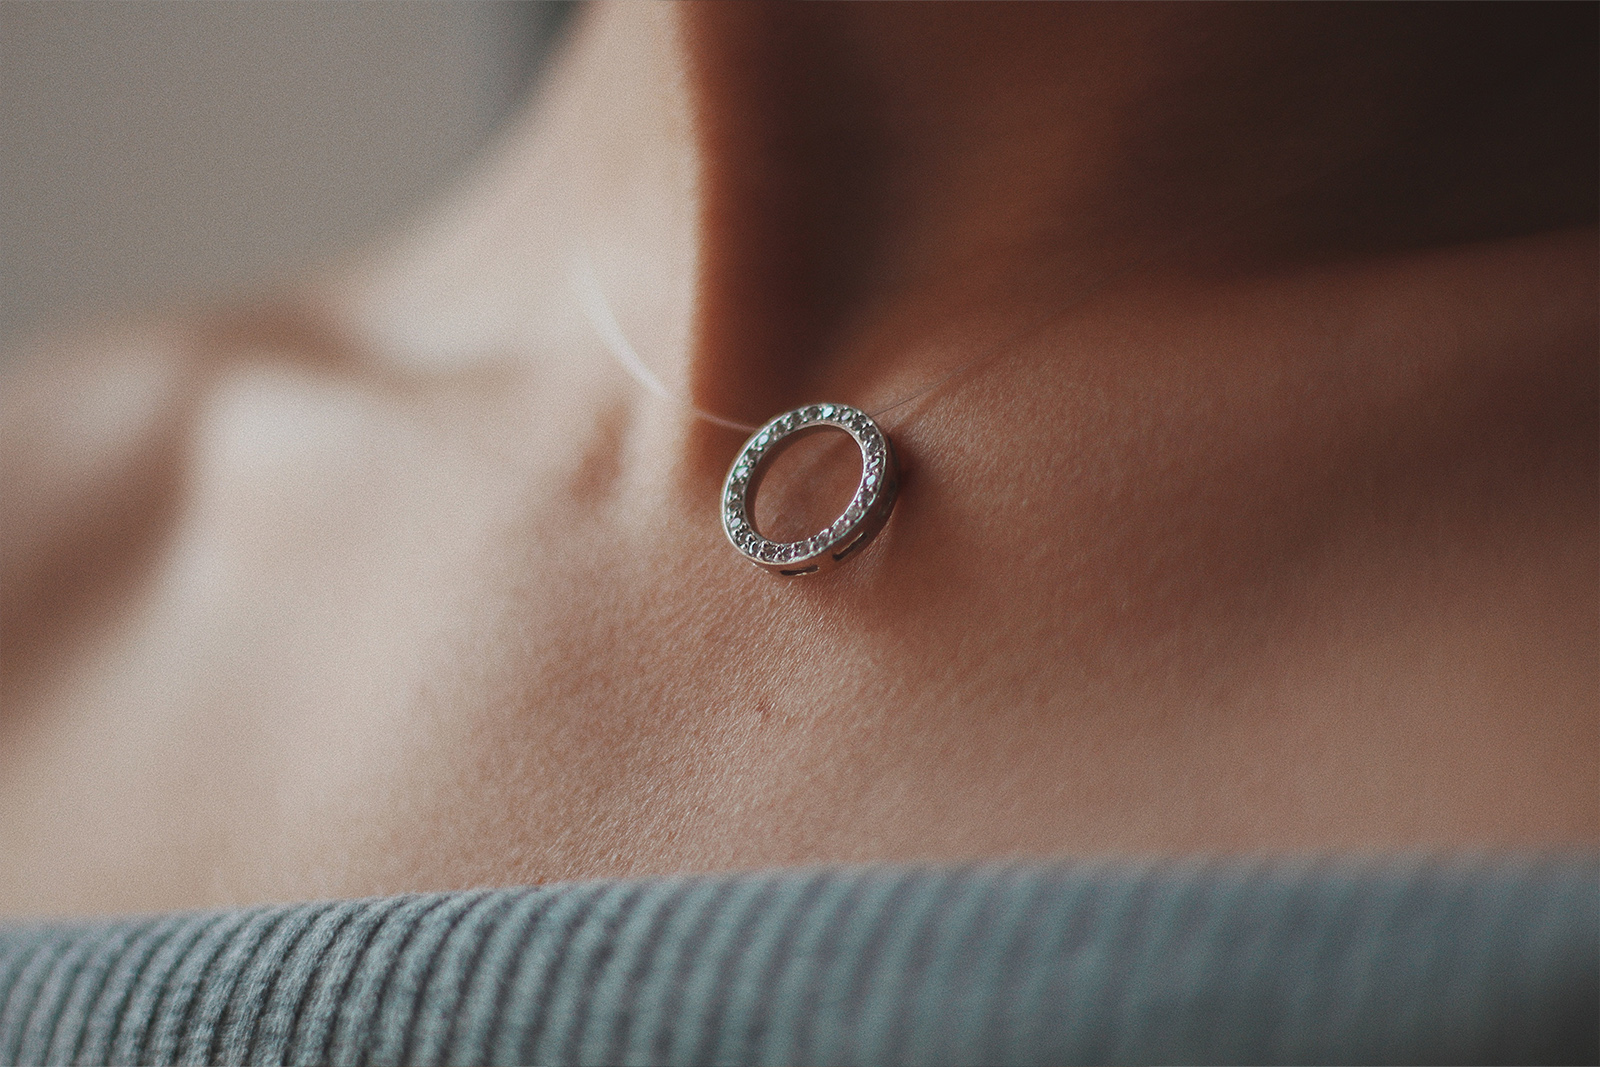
(852, 531)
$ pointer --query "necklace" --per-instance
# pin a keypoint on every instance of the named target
(874, 498)
(866, 514)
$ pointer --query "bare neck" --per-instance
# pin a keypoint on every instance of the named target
(855, 157)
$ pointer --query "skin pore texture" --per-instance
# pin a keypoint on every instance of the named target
(1266, 523)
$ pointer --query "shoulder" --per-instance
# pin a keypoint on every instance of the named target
(102, 434)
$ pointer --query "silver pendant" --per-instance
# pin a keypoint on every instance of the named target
(868, 510)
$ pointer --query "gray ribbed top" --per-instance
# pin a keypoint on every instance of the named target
(1464, 962)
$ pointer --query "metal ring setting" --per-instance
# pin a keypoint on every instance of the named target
(869, 509)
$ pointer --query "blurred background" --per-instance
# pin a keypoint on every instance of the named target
(153, 151)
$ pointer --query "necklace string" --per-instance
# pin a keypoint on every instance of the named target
(592, 300)
(598, 311)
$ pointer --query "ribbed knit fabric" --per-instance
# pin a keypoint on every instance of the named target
(1394, 962)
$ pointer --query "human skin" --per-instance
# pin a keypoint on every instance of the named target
(1279, 535)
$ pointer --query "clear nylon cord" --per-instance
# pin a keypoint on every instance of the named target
(598, 311)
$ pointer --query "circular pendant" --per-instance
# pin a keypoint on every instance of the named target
(868, 511)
